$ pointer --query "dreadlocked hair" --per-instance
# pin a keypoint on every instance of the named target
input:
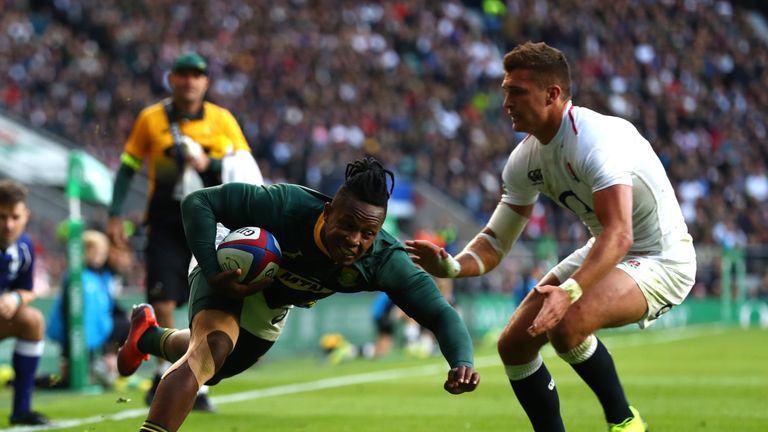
(366, 179)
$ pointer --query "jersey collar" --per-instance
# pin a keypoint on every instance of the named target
(199, 115)
(318, 240)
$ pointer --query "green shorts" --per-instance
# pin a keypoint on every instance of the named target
(260, 325)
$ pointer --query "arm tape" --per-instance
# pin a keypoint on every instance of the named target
(478, 260)
(572, 288)
(451, 266)
(507, 225)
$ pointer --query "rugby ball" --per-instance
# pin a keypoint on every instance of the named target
(253, 250)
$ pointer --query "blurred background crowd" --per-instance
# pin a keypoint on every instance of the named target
(315, 83)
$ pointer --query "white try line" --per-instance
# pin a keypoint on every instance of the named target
(616, 341)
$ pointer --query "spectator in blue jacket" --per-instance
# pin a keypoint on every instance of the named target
(102, 325)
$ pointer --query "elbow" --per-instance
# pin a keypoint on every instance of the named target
(619, 240)
(186, 202)
(189, 202)
(624, 241)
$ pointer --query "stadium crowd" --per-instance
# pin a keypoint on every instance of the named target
(315, 83)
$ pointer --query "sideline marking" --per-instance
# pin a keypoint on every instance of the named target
(618, 340)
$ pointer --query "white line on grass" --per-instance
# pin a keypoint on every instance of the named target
(618, 340)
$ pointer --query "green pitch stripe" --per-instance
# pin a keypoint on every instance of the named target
(617, 340)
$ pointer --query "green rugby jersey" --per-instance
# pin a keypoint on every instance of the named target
(292, 214)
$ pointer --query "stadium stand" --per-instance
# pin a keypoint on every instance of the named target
(417, 84)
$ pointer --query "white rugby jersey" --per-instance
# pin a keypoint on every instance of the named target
(589, 153)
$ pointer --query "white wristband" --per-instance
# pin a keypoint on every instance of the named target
(572, 288)
(451, 266)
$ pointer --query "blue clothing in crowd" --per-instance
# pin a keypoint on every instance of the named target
(97, 309)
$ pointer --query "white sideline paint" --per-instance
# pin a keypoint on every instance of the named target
(622, 340)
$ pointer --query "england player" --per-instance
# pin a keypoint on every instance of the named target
(639, 263)
(17, 319)
(330, 245)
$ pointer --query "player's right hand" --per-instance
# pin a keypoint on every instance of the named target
(461, 379)
(553, 309)
(227, 284)
(432, 258)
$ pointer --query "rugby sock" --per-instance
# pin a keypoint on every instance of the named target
(536, 392)
(148, 426)
(594, 364)
(153, 339)
(26, 357)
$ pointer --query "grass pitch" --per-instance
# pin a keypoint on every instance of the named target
(694, 379)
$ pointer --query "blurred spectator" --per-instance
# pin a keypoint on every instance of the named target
(316, 83)
(527, 283)
(105, 324)
(384, 314)
(729, 235)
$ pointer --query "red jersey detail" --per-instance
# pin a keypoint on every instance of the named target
(573, 123)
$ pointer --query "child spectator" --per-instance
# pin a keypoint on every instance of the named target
(104, 323)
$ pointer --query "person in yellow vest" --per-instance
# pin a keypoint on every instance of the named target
(184, 138)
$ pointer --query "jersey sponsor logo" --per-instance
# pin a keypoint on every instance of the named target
(348, 277)
(633, 263)
(535, 176)
(300, 283)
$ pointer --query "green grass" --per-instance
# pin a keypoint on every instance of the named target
(696, 379)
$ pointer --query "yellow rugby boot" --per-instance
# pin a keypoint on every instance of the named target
(630, 424)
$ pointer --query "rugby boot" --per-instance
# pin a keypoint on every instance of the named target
(129, 357)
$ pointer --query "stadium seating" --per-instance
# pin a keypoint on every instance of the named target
(416, 83)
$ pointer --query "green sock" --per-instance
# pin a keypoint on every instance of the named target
(153, 339)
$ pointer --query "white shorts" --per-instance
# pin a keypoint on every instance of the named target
(261, 320)
(665, 278)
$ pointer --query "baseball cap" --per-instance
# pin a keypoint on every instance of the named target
(190, 61)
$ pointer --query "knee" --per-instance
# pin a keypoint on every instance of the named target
(31, 323)
(515, 347)
(568, 334)
(220, 346)
(206, 357)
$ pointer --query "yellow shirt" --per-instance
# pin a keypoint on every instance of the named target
(214, 128)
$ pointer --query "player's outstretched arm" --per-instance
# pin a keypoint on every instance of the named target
(482, 254)
(462, 379)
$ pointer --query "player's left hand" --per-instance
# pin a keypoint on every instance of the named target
(461, 379)
(556, 303)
